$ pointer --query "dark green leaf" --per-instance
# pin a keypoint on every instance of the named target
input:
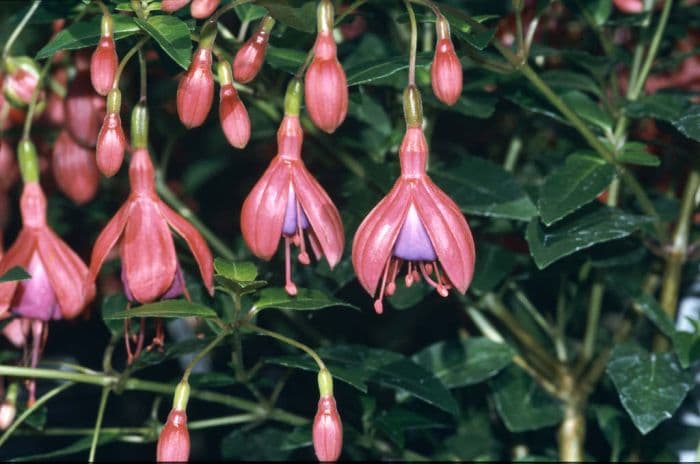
(467, 28)
(113, 304)
(249, 12)
(407, 298)
(14, 274)
(211, 379)
(254, 445)
(521, 403)
(567, 80)
(86, 34)
(481, 187)
(242, 271)
(238, 287)
(659, 106)
(599, 10)
(651, 386)
(173, 36)
(397, 421)
(595, 224)
(493, 264)
(465, 362)
(582, 178)
(636, 153)
(305, 300)
(285, 59)
(610, 422)
(475, 105)
(173, 350)
(374, 70)
(370, 112)
(588, 109)
(37, 419)
(165, 308)
(689, 123)
(302, 18)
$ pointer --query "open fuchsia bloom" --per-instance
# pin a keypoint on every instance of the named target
(173, 5)
(195, 92)
(174, 438)
(327, 431)
(74, 169)
(287, 202)
(104, 61)
(111, 142)
(446, 70)
(232, 113)
(415, 223)
(149, 261)
(326, 87)
(250, 57)
(84, 110)
(201, 9)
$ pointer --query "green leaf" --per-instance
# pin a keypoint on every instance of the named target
(457, 363)
(560, 79)
(481, 187)
(579, 181)
(37, 419)
(249, 12)
(610, 422)
(173, 350)
(284, 59)
(467, 28)
(689, 123)
(87, 33)
(254, 445)
(305, 300)
(358, 365)
(398, 420)
(588, 109)
(302, 18)
(494, 263)
(14, 274)
(173, 36)
(651, 386)
(165, 308)
(375, 70)
(475, 105)
(599, 10)
(239, 271)
(522, 404)
(370, 112)
(585, 228)
(113, 304)
(636, 153)
(659, 106)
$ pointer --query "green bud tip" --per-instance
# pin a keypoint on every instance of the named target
(412, 107)
(292, 99)
(325, 16)
(182, 395)
(225, 74)
(139, 126)
(28, 161)
(267, 23)
(12, 392)
(325, 382)
(107, 27)
(207, 36)
(442, 27)
(114, 101)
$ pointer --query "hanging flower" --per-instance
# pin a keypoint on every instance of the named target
(170, 6)
(84, 109)
(74, 169)
(446, 70)
(174, 438)
(195, 92)
(232, 113)
(200, 9)
(327, 431)
(21, 80)
(111, 142)
(104, 61)
(250, 57)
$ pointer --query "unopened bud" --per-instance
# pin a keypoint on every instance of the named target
(446, 69)
(104, 61)
(250, 57)
(327, 431)
(21, 80)
(195, 92)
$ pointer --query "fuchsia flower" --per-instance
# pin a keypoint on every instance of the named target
(9, 172)
(446, 70)
(232, 113)
(629, 6)
(195, 92)
(104, 61)
(21, 80)
(111, 141)
(173, 5)
(415, 223)
(149, 261)
(326, 87)
(327, 430)
(250, 57)
(74, 169)
(84, 110)
(287, 202)
(174, 439)
(201, 9)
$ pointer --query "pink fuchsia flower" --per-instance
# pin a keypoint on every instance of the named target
(232, 113)
(74, 169)
(629, 6)
(173, 5)
(416, 224)
(174, 438)
(104, 61)
(149, 261)
(327, 431)
(111, 141)
(84, 110)
(326, 87)
(446, 70)
(21, 80)
(287, 202)
(195, 92)
(8, 166)
(250, 57)
(201, 9)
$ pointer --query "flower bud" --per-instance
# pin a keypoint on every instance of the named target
(74, 169)
(174, 439)
(83, 110)
(232, 113)
(8, 408)
(250, 57)
(326, 89)
(8, 167)
(446, 70)
(111, 141)
(28, 161)
(104, 61)
(327, 428)
(173, 5)
(201, 9)
(630, 6)
(22, 78)
(196, 90)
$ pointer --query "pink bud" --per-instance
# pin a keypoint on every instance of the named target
(111, 144)
(74, 169)
(234, 117)
(173, 5)
(7, 414)
(250, 57)
(103, 65)
(174, 439)
(201, 9)
(327, 430)
(196, 90)
(446, 72)
(326, 88)
(8, 166)
(629, 6)
(83, 110)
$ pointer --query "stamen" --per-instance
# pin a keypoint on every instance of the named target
(426, 276)
(378, 307)
(442, 291)
(393, 271)
(303, 255)
(289, 285)
(409, 275)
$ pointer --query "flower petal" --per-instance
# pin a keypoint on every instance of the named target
(108, 238)
(19, 254)
(321, 212)
(195, 241)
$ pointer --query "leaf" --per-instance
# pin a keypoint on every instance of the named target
(112, 304)
(560, 79)
(173, 36)
(458, 363)
(305, 300)
(173, 350)
(588, 109)
(522, 404)
(14, 274)
(591, 225)
(689, 123)
(302, 18)
(37, 419)
(659, 105)
(469, 29)
(374, 70)
(610, 422)
(494, 263)
(567, 188)
(254, 445)
(651, 386)
(636, 153)
(481, 187)
(475, 105)
(249, 12)
(165, 308)
(87, 33)
(599, 9)
(284, 59)
(358, 365)
(398, 420)
(370, 112)
(237, 271)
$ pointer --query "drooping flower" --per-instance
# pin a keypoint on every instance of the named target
(250, 57)
(174, 438)
(21, 80)
(232, 113)
(195, 91)
(201, 9)
(416, 224)
(149, 261)
(446, 70)
(111, 141)
(8, 166)
(74, 169)
(629, 6)
(327, 431)
(326, 87)
(287, 202)
(104, 61)
(84, 109)
(173, 5)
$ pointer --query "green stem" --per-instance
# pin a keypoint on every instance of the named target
(122, 64)
(226, 420)
(28, 412)
(288, 341)
(98, 423)
(201, 354)
(35, 98)
(18, 30)
(226, 9)
(143, 75)
(414, 44)
(216, 243)
(594, 307)
(653, 49)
